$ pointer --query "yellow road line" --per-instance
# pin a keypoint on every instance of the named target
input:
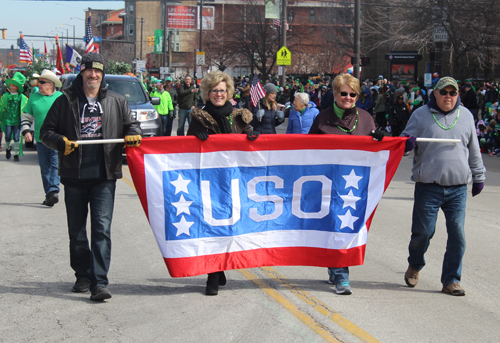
(320, 307)
(128, 179)
(302, 316)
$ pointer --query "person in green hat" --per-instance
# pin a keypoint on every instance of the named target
(11, 108)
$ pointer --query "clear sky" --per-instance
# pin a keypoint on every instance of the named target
(44, 18)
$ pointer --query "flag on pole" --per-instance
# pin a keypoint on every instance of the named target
(72, 56)
(256, 91)
(25, 53)
(45, 48)
(34, 53)
(59, 59)
(88, 37)
(229, 203)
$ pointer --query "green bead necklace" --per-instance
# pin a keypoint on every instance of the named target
(355, 123)
(447, 128)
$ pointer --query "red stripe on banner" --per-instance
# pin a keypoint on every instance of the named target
(295, 256)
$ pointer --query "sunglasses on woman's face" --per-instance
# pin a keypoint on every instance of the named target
(43, 82)
(352, 95)
(444, 93)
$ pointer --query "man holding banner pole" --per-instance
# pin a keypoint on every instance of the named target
(442, 172)
(88, 111)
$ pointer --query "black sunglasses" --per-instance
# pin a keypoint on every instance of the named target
(444, 93)
(43, 82)
(352, 95)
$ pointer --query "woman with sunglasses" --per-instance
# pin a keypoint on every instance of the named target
(218, 116)
(441, 172)
(344, 118)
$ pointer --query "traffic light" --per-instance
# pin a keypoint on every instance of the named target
(151, 41)
(365, 61)
(4, 33)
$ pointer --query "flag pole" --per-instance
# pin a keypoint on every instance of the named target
(101, 141)
(122, 140)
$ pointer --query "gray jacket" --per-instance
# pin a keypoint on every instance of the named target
(447, 164)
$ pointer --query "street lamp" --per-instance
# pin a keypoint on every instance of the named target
(73, 32)
(123, 15)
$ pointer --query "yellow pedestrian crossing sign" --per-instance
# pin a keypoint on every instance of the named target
(284, 57)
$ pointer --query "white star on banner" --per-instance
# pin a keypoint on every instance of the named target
(352, 180)
(181, 185)
(348, 220)
(350, 200)
(182, 206)
(183, 226)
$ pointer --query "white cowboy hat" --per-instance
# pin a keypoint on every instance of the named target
(47, 74)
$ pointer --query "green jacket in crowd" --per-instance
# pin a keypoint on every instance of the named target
(11, 108)
(166, 106)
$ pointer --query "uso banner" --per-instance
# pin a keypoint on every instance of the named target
(229, 203)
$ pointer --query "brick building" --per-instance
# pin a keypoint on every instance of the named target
(312, 26)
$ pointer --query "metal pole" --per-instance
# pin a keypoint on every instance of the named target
(201, 31)
(74, 36)
(357, 36)
(142, 21)
(283, 38)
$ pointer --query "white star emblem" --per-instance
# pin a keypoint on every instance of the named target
(181, 185)
(352, 180)
(183, 226)
(347, 220)
(350, 200)
(182, 205)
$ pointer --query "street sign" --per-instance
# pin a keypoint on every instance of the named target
(284, 57)
(280, 70)
(163, 70)
(139, 65)
(200, 58)
(427, 79)
(440, 35)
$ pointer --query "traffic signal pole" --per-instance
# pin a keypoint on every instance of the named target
(283, 38)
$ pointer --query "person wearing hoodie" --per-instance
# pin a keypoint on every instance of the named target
(398, 116)
(302, 114)
(441, 172)
(364, 102)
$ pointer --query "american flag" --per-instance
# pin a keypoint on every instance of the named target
(256, 91)
(88, 37)
(25, 54)
(277, 22)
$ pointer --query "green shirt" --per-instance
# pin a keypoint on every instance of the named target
(38, 106)
(11, 107)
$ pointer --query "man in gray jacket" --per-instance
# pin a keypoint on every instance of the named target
(441, 172)
(88, 111)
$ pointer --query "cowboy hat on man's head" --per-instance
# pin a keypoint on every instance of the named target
(48, 75)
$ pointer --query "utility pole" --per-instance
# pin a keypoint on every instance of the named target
(142, 22)
(201, 31)
(357, 37)
(283, 38)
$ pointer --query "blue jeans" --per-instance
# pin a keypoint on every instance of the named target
(12, 130)
(90, 263)
(339, 275)
(49, 167)
(183, 115)
(429, 198)
(166, 124)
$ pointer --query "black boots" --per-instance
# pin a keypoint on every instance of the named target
(214, 281)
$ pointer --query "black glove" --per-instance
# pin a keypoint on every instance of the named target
(253, 135)
(202, 135)
(377, 135)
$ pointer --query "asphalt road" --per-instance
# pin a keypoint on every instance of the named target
(289, 304)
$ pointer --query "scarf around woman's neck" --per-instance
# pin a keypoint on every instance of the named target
(339, 111)
(433, 104)
(220, 115)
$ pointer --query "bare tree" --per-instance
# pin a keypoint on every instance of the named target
(218, 52)
(471, 26)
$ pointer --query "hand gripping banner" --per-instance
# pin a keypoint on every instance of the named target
(282, 200)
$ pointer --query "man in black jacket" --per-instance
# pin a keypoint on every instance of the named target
(88, 111)
(187, 102)
(469, 100)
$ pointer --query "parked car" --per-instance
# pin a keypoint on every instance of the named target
(138, 100)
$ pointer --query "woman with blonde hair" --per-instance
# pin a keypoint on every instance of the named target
(344, 118)
(219, 116)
